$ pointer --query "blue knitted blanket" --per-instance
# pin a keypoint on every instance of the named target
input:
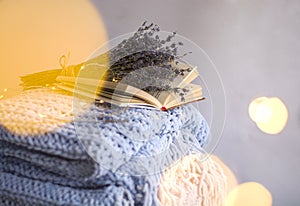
(59, 168)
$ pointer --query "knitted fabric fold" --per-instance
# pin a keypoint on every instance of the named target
(42, 166)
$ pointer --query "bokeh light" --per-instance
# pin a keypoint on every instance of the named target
(269, 114)
(249, 194)
(35, 34)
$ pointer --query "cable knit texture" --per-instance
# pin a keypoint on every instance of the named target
(49, 156)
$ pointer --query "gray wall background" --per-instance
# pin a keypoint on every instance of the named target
(255, 46)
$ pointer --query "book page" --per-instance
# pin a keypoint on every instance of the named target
(122, 102)
(193, 92)
(186, 77)
(179, 96)
(126, 94)
(115, 89)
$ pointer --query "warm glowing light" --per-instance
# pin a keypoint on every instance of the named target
(42, 115)
(269, 114)
(35, 34)
(249, 194)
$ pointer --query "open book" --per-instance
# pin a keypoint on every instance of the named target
(118, 93)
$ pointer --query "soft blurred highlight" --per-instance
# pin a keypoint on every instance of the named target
(249, 194)
(269, 114)
(35, 34)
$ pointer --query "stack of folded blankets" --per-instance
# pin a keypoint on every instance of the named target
(44, 162)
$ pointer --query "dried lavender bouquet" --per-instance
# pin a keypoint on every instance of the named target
(144, 61)
(144, 49)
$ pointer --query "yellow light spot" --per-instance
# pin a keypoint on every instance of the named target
(42, 115)
(47, 85)
(53, 88)
(5, 90)
(101, 101)
(23, 30)
(249, 194)
(1, 96)
(114, 80)
(269, 114)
